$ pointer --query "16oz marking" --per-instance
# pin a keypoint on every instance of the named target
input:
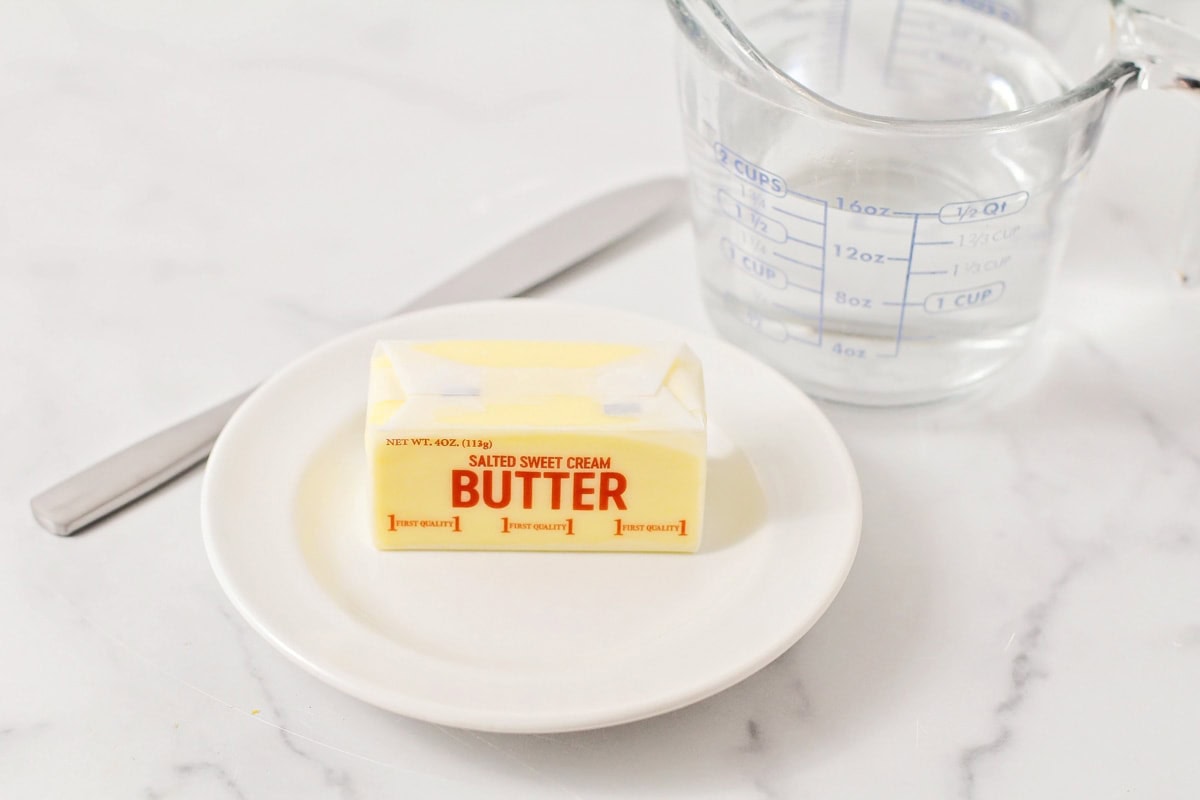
(858, 207)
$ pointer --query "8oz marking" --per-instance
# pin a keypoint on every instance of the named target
(845, 299)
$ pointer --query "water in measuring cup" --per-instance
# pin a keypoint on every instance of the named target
(873, 268)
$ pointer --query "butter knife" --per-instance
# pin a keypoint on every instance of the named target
(535, 256)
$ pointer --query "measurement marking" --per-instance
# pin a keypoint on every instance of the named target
(919, 244)
(750, 218)
(912, 246)
(755, 265)
(796, 261)
(930, 272)
(913, 213)
(804, 288)
(805, 241)
(798, 216)
(984, 208)
(806, 196)
(896, 258)
(824, 257)
(899, 303)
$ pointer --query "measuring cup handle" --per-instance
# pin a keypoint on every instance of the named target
(1168, 57)
(1167, 53)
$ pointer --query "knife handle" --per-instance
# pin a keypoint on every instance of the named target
(137, 470)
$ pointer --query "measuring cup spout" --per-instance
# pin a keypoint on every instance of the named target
(1168, 57)
(1166, 54)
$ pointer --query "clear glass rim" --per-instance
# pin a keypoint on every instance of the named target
(1111, 75)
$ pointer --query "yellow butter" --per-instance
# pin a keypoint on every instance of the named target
(527, 445)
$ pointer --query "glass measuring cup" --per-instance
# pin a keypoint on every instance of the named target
(881, 189)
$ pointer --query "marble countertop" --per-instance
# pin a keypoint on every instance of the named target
(192, 198)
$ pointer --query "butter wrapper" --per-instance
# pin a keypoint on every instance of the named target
(534, 445)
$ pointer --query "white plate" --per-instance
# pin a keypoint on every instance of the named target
(527, 642)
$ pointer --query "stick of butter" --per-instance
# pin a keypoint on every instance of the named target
(531, 445)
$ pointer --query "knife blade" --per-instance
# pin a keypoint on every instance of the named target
(553, 246)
